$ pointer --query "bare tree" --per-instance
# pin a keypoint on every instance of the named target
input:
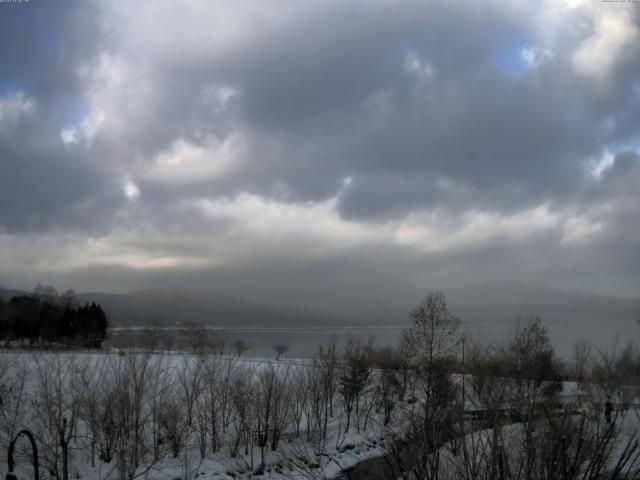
(197, 337)
(160, 386)
(128, 384)
(190, 385)
(207, 404)
(218, 342)
(14, 394)
(192, 430)
(531, 364)
(91, 395)
(432, 334)
(582, 356)
(314, 407)
(299, 395)
(240, 347)
(355, 373)
(391, 367)
(563, 446)
(431, 341)
(280, 349)
(56, 411)
(617, 374)
(171, 424)
(241, 395)
(270, 413)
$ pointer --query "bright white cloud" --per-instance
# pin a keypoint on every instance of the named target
(222, 28)
(186, 162)
(85, 130)
(434, 231)
(230, 228)
(581, 229)
(69, 135)
(120, 248)
(427, 231)
(592, 36)
(597, 167)
(130, 189)
(274, 220)
(120, 93)
(614, 32)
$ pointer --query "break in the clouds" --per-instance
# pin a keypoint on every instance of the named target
(236, 144)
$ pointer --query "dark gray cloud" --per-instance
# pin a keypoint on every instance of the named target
(347, 142)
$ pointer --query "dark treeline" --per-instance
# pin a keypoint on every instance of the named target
(48, 318)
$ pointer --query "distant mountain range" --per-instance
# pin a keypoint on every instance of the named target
(7, 293)
(174, 307)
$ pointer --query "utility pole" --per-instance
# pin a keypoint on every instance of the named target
(463, 374)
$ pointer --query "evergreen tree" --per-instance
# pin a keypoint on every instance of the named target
(47, 317)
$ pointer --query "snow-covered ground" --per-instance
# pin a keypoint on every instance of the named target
(81, 395)
(24, 376)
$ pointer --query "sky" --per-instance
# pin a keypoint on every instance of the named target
(320, 153)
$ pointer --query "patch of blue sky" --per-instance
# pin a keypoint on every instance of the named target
(48, 39)
(508, 58)
(80, 112)
(612, 150)
(12, 84)
(632, 143)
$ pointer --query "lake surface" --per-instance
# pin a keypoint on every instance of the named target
(303, 341)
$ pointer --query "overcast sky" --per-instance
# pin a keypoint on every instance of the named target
(326, 152)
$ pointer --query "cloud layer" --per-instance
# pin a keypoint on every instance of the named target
(395, 146)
